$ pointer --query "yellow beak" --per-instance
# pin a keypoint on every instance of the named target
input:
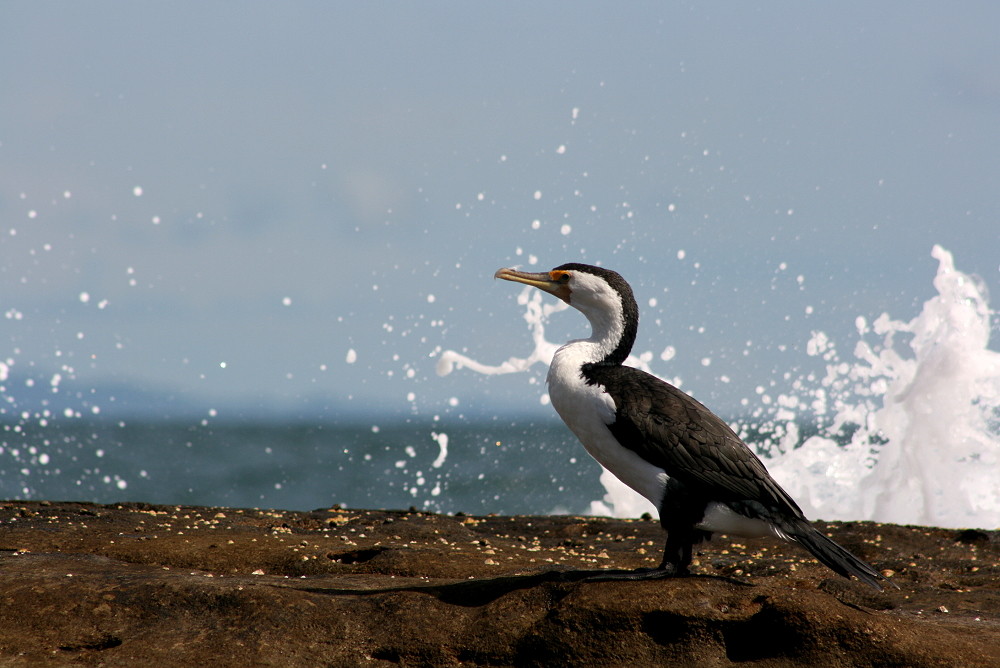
(553, 282)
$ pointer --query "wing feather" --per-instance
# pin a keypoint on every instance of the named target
(670, 429)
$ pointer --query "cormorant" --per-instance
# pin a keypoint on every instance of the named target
(661, 442)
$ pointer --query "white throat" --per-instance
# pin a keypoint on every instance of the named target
(607, 323)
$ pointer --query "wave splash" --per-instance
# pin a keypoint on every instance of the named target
(919, 406)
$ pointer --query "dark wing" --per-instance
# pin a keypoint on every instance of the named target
(670, 429)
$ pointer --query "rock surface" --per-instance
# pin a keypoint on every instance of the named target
(135, 584)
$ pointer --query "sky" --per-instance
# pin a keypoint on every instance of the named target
(293, 208)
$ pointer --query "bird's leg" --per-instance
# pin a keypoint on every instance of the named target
(679, 548)
(676, 557)
(680, 512)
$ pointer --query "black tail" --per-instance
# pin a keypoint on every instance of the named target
(834, 556)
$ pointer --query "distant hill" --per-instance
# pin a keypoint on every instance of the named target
(37, 397)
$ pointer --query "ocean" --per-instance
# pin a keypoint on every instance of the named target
(527, 466)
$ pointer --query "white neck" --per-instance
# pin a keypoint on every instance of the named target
(607, 328)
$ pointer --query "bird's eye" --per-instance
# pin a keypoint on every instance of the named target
(561, 276)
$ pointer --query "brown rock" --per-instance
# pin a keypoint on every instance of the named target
(135, 584)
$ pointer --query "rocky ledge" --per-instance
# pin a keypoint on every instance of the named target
(135, 584)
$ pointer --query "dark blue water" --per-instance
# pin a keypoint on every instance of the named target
(529, 466)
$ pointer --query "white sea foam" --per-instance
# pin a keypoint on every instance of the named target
(923, 400)
(442, 441)
(536, 313)
(909, 427)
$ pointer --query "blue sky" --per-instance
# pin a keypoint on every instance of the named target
(223, 204)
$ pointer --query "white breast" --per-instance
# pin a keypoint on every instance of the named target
(588, 410)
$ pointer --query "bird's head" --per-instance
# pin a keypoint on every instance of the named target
(582, 286)
(600, 294)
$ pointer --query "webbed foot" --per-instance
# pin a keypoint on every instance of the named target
(660, 573)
